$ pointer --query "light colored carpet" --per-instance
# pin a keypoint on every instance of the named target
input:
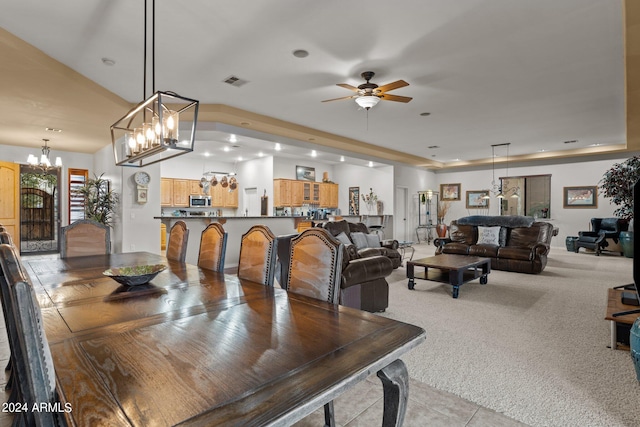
(533, 347)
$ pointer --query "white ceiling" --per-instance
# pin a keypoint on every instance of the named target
(532, 73)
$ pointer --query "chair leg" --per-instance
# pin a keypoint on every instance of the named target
(329, 415)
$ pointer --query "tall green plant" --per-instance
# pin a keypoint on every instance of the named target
(99, 200)
(617, 184)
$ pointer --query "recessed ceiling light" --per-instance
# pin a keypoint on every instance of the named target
(240, 158)
(261, 154)
(342, 158)
(425, 114)
(314, 153)
(233, 138)
(226, 149)
(370, 164)
(597, 144)
(278, 147)
(109, 62)
(207, 154)
(300, 53)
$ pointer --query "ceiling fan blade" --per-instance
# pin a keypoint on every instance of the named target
(348, 86)
(387, 97)
(338, 99)
(392, 86)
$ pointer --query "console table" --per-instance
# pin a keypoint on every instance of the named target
(619, 324)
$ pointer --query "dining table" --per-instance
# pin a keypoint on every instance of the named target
(195, 347)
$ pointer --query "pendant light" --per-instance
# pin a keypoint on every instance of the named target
(151, 132)
(44, 163)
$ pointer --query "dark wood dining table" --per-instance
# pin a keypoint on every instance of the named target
(201, 348)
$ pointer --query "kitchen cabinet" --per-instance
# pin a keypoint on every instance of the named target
(311, 192)
(181, 191)
(166, 192)
(296, 193)
(281, 193)
(230, 198)
(217, 196)
(329, 195)
(194, 186)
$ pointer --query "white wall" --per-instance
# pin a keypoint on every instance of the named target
(256, 173)
(379, 179)
(568, 220)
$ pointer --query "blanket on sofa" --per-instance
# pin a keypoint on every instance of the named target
(504, 221)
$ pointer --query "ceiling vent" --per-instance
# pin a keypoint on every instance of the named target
(235, 81)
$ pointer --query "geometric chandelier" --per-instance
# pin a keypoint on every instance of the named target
(151, 132)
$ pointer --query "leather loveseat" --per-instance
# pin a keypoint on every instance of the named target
(514, 243)
(363, 284)
(388, 247)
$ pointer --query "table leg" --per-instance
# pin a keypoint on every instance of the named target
(395, 384)
(614, 335)
(412, 282)
(456, 290)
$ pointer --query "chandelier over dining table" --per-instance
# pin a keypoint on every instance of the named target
(160, 127)
(44, 162)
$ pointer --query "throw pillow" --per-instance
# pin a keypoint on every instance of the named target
(344, 239)
(373, 240)
(360, 240)
(489, 236)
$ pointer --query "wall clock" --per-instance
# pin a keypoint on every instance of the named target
(142, 182)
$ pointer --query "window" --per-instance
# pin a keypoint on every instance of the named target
(526, 195)
(77, 179)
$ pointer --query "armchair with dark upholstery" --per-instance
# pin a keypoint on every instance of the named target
(601, 230)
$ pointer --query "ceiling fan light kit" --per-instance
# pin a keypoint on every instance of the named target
(369, 94)
(151, 132)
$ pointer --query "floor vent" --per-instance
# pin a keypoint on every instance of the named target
(235, 81)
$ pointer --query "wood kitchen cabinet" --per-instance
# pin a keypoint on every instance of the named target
(296, 193)
(230, 198)
(217, 196)
(194, 186)
(181, 191)
(166, 192)
(310, 192)
(329, 195)
(281, 193)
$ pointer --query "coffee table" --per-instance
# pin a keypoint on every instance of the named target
(449, 268)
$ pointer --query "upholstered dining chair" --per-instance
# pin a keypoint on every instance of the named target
(213, 246)
(258, 255)
(32, 361)
(178, 238)
(5, 237)
(85, 237)
(315, 270)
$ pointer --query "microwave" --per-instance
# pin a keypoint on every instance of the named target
(197, 201)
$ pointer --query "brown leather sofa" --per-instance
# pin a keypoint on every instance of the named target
(363, 284)
(523, 243)
(388, 247)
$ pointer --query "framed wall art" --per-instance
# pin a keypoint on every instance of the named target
(581, 197)
(354, 200)
(449, 192)
(475, 199)
(305, 173)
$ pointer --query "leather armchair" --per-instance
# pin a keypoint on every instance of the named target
(601, 230)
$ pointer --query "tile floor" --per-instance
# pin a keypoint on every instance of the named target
(362, 405)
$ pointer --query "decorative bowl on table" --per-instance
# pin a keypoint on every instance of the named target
(135, 275)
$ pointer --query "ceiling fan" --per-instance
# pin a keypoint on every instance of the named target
(369, 94)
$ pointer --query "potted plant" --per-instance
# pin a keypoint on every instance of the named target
(617, 184)
(99, 200)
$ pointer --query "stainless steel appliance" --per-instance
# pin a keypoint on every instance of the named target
(199, 201)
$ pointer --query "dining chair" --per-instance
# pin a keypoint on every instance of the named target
(213, 246)
(32, 361)
(258, 255)
(315, 270)
(5, 237)
(85, 237)
(177, 245)
(315, 265)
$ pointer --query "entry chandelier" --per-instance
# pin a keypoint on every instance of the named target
(151, 131)
(44, 163)
(496, 188)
